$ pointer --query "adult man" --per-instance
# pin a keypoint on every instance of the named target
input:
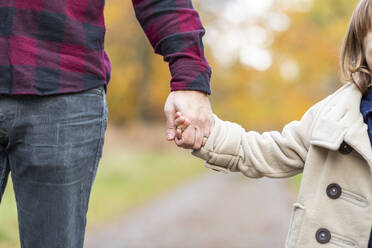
(53, 113)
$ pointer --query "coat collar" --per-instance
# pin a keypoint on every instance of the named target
(339, 119)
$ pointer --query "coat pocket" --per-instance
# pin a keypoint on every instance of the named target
(343, 242)
(295, 225)
(354, 198)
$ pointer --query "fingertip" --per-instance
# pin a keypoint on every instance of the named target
(178, 142)
(196, 148)
(170, 136)
(204, 141)
(179, 123)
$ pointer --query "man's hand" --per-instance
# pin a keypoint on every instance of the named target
(182, 124)
(195, 106)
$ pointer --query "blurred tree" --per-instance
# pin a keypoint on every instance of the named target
(297, 43)
(133, 78)
(304, 60)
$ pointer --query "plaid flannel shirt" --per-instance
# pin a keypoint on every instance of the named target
(57, 46)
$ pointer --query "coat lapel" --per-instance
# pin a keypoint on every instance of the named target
(340, 120)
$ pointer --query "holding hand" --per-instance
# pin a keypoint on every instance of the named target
(182, 124)
(195, 106)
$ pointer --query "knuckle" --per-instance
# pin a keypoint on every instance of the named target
(188, 140)
(180, 145)
(186, 135)
(178, 141)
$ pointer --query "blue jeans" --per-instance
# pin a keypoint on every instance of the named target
(51, 146)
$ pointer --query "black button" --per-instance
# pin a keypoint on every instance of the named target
(323, 236)
(334, 191)
(345, 148)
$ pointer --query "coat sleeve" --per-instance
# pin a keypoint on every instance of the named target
(271, 154)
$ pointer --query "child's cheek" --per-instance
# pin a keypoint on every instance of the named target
(368, 49)
(368, 55)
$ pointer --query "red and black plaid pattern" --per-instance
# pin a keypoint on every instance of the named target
(175, 31)
(51, 46)
(57, 46)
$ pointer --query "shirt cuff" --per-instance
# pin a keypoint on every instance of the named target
(190, 75)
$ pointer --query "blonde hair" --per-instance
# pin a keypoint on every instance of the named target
(353, 63)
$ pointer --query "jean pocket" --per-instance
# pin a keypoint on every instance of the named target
(97, 91)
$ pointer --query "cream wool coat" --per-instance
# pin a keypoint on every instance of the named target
(331, 147)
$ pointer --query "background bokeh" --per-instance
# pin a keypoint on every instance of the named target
(271, 60)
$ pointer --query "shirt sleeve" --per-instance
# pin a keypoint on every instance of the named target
(175, 31)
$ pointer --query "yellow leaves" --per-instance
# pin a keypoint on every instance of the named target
(140, 79)
(117, 10)
(121, 94)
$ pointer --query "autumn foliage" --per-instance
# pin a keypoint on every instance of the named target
(304, 64)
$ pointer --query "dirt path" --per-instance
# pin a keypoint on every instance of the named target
(215, 210)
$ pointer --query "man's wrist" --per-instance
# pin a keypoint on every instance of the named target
(190, 75)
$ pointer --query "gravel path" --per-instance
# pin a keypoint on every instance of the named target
(213, 211)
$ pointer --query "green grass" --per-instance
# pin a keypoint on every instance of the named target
(296, 181)
(125, 180)
(8, 222)
(135, 177)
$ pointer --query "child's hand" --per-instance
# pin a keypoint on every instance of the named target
(182, 123)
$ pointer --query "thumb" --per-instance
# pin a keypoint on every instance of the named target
(171, 130)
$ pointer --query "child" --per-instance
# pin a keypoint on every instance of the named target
(330, 145)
